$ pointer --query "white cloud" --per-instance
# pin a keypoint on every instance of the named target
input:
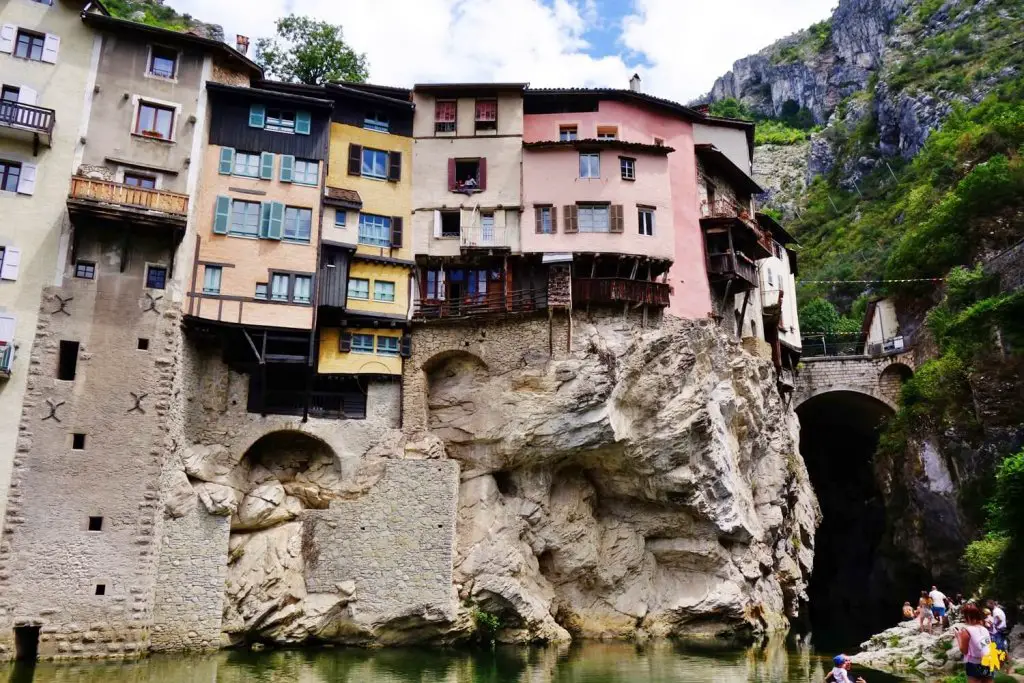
(543, 42)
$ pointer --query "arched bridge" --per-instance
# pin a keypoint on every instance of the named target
(879, 377)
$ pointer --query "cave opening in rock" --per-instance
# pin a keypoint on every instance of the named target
(857, 588)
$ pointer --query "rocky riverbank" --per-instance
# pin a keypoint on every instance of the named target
(905, 649)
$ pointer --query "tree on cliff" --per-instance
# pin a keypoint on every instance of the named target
(309, 51)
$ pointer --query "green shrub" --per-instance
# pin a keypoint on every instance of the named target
(981, 557)
(487, 624)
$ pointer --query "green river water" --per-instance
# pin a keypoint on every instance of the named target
(660, 662)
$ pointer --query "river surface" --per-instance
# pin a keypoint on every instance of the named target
(660, 662)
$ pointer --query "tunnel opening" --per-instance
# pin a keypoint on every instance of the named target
(857, 588)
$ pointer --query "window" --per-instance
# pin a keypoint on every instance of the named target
(362, 343)
(154, 121)
(146, 182)
(590, 165)
(279, 283)
(78, 442)
(374, 230)
(435, 285)
(628, 167)
(567, 133)
(280, 121)
(451, 222)
(771, 277)
(339, 217)
(67, 360)
(247, 164)
(387, 346)
(163, 62)
(593, 218)
(211, 279)
(9, 93)
(545, 220)
(467, 174)
(646, 221)
(358, 288)
(383, 291)
(10, 173)
(245, 219)
(306, 172)
(85, 269)
(96, 524)
(156, 277)
(261, 290)
(607, 133)
(487, 114)
(444, 116)
(376, 121)
(302, 291)
(375, 163)
(297, 223)
(142, 344)
(101, 589)
(30, 45)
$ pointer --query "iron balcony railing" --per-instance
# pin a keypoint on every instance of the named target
(610, 290)
(128, 196)
(483, 237)
(27, 117)
(6, 359)
(852, 344)
(482, 305)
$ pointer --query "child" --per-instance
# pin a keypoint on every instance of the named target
(924, 612)
(908, 611)
(841, 672)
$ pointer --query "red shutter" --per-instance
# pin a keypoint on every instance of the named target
(451, 175)
(483, 174)
(355, 159)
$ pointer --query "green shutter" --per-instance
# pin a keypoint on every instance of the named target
(221, 215)
(266, 166)
(227, 160)
(303, 122)
(264, 220)
(276, 222)
(257, 116)
(287, 168)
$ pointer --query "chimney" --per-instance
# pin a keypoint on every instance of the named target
(242, 43)
(634, 83)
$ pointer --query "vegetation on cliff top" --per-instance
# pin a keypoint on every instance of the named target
(153, 14)
(794, 123)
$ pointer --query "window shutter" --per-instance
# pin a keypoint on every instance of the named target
(276, 221)
(355, 159)
(437, 223)
(257, 116)
(8, 32)
(451, 175)
(344, 342)
(554, 220)
(538, 220)
(221, 215)
(27, 95)
(570, 219)
(12, 259)
(7, 324)
(396, 232)
(264, 220)
(303, 122)
(51, 46)
(266, 165)
(227, 160)
(27, 181)
(287, 168)
(616, 219)
(483, 174)
(406, 348)
(394, 166)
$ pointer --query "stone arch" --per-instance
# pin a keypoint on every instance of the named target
(454, 383)
(870, 393)
(445, 357)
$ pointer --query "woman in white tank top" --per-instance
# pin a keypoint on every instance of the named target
(974, 640)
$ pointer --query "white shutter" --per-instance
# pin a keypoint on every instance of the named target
(9, 269)
(437, 223)
(27, 95)
(50, 48)
(8, 32)
(441, 285)
(6, 328)
(27, 181)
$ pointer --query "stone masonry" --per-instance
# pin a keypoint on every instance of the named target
(880, 378)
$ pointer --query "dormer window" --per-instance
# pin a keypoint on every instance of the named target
(607, 133)
(376, 121)
(567, 133)
(487, 115)
(163, 62)
(444, 116)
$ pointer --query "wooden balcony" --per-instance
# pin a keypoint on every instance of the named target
(114, 201)
(733, 265)
(475, 306)
(28, 122)
(615, 290)
(724, 211)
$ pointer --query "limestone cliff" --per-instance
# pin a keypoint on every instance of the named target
(646, 482)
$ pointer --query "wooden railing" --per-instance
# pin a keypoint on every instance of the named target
(28, 116)
(330, 405)
(609, 290)
(106, 192)
(726, 208)
(481, 305)
(733, 264)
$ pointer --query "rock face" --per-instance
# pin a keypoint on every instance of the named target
(905, 649)
(782, 171)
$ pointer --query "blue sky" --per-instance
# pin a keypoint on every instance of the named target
(678, 46)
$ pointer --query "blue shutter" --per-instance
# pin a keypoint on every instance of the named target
(221, 215)
(276, 223)
(257, 116)
(287, 168)
(266, 166)
(265, 220)
(303, 122)
(227, 160)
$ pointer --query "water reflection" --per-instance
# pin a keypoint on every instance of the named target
(659, 662)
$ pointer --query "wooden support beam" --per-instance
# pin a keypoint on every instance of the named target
(743, 313)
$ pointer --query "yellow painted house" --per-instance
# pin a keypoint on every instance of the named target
(367, 261)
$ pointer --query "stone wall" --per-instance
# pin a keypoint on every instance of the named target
(874, 377)
(1008, 266)
(395, 543)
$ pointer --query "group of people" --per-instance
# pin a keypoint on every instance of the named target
(933, 607)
